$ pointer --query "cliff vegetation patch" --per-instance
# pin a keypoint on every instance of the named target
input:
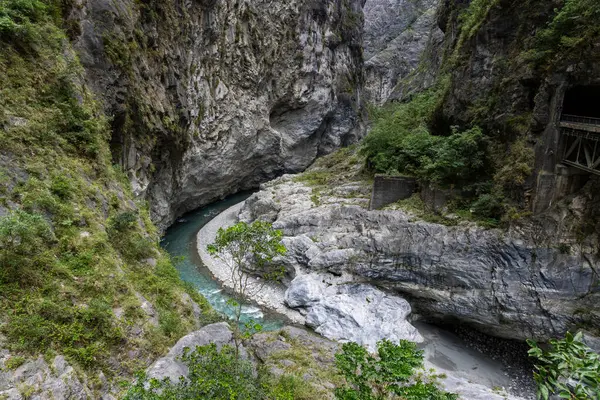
(81, 272)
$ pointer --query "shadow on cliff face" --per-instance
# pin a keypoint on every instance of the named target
(591, 219)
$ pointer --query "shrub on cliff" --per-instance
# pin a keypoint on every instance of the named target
(401, 142)
(571, 34)
(23, 239)
(391, 373)
(213, 374)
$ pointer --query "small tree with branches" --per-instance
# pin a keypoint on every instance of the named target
(248, 248)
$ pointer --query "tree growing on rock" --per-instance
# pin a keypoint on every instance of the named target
(248, 249)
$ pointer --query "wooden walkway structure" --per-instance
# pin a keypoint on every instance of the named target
(581, 137)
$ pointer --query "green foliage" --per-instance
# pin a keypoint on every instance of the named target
(514, 168)
(257, 244)
(18, 18)
(23, 240)
(23, 234)
(14, 362)
(314, 178)
(389, 373)
(61, 187)
(570, 35)
(568, 368)
(488, 205)
(400, 142)
(457, 159)
(213, 374)
(472, 19)
(248, 247)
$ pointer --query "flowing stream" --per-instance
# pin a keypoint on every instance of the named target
(443, 349)
(180, 241)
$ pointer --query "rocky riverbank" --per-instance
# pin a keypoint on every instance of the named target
(270, 295)
(338, 306)
(515, 284)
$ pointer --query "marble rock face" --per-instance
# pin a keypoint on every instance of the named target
(512, 284)
(216, 97)
(351, 312)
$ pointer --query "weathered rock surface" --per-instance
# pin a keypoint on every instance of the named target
(514, 284)
(210, 98)
(38, 380)
(397, 33)
(170, 366)
(351, 312)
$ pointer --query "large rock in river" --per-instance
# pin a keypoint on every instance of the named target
(352, 312)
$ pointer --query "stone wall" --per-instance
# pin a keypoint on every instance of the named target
(390, 189)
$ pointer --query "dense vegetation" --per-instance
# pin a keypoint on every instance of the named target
(403, 141)
(389, 374)
(571, 34)
(77, 255)
(394, 373)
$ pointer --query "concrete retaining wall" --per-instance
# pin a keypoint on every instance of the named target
(390, 189)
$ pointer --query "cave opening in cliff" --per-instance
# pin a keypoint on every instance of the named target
(582, 101)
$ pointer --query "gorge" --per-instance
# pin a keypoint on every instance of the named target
(119, 117)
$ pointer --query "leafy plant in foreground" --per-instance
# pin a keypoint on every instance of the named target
(568, 368)
(387, 375)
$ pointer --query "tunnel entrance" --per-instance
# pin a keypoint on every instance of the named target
(580, 128)
(582, 101)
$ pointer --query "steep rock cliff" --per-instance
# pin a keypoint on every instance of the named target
(504, 68)
(192, 100)
(396, 35)
(212, 97)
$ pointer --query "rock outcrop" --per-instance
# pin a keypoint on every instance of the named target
(351, 312)
(397, 33)
(40, 380)
(171, 366)
(514, 284)
(210, 98)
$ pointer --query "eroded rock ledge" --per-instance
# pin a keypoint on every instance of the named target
(510, 284)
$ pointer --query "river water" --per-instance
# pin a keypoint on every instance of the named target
(443, 350)
(180, 241)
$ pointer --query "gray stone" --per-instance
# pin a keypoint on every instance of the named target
(362, 314)
(60, 381)
(238, 94)
(513, 284)
(397, 33)
(173, 368)
(304, 291)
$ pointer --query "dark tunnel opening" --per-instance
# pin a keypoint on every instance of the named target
(582, 101)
